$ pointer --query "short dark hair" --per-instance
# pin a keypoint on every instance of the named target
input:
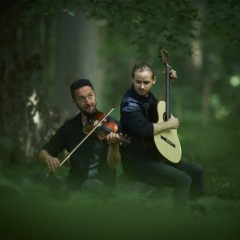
(79, 84)
(143, 66)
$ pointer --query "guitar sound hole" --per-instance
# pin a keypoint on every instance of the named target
(168, 141)
(164, 117)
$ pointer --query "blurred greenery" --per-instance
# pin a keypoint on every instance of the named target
(35, 211)
(202, 38)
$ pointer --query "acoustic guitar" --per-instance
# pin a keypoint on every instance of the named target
(166, 143)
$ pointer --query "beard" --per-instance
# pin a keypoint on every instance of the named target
(142, 93)
(88, 110)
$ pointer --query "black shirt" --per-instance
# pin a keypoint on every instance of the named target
(88, 158)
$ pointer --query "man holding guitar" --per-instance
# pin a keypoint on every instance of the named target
(157, 167)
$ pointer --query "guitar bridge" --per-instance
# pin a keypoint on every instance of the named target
(168, 141)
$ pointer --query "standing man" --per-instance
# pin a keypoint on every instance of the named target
(185, 178)
(93, 164)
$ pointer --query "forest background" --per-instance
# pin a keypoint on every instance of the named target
(46, 45)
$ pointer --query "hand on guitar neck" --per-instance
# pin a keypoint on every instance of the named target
(172, 77)
(172, 74)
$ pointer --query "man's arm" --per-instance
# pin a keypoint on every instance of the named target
(113, 157)
(169, 124)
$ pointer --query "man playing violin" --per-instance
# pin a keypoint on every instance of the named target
(93, 164)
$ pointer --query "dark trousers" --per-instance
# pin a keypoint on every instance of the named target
(88, 184)
(185, 178)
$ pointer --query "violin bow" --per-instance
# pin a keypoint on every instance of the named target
(82, 141)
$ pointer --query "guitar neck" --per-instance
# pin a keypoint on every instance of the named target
(167, 93)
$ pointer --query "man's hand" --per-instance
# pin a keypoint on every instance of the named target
(52, 163)
(113, 138)
(173, 122)
(173, 74)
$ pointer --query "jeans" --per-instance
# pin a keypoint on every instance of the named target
(185, 178)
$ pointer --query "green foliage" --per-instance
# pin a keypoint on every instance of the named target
(222, 21)
(43, 8)
(152, 23)
(213, 145)
(32, 211)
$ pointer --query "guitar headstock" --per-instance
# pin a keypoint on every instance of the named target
(164, 56)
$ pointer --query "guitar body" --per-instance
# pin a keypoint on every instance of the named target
(167, 142)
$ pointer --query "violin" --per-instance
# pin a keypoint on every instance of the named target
(107, 126)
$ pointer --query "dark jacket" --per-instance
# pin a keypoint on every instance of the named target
(136, 124)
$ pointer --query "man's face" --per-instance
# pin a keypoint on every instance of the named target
(143, 81)
(85, 99)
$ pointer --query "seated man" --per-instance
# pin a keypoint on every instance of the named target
(186, 179)
(93, 164)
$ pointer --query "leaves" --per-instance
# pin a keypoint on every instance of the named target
(221, 20)
(150, 22)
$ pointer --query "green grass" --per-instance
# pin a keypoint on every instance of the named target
(214, 145)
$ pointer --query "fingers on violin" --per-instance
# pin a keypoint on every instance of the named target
(95, 123)
(113, 137)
